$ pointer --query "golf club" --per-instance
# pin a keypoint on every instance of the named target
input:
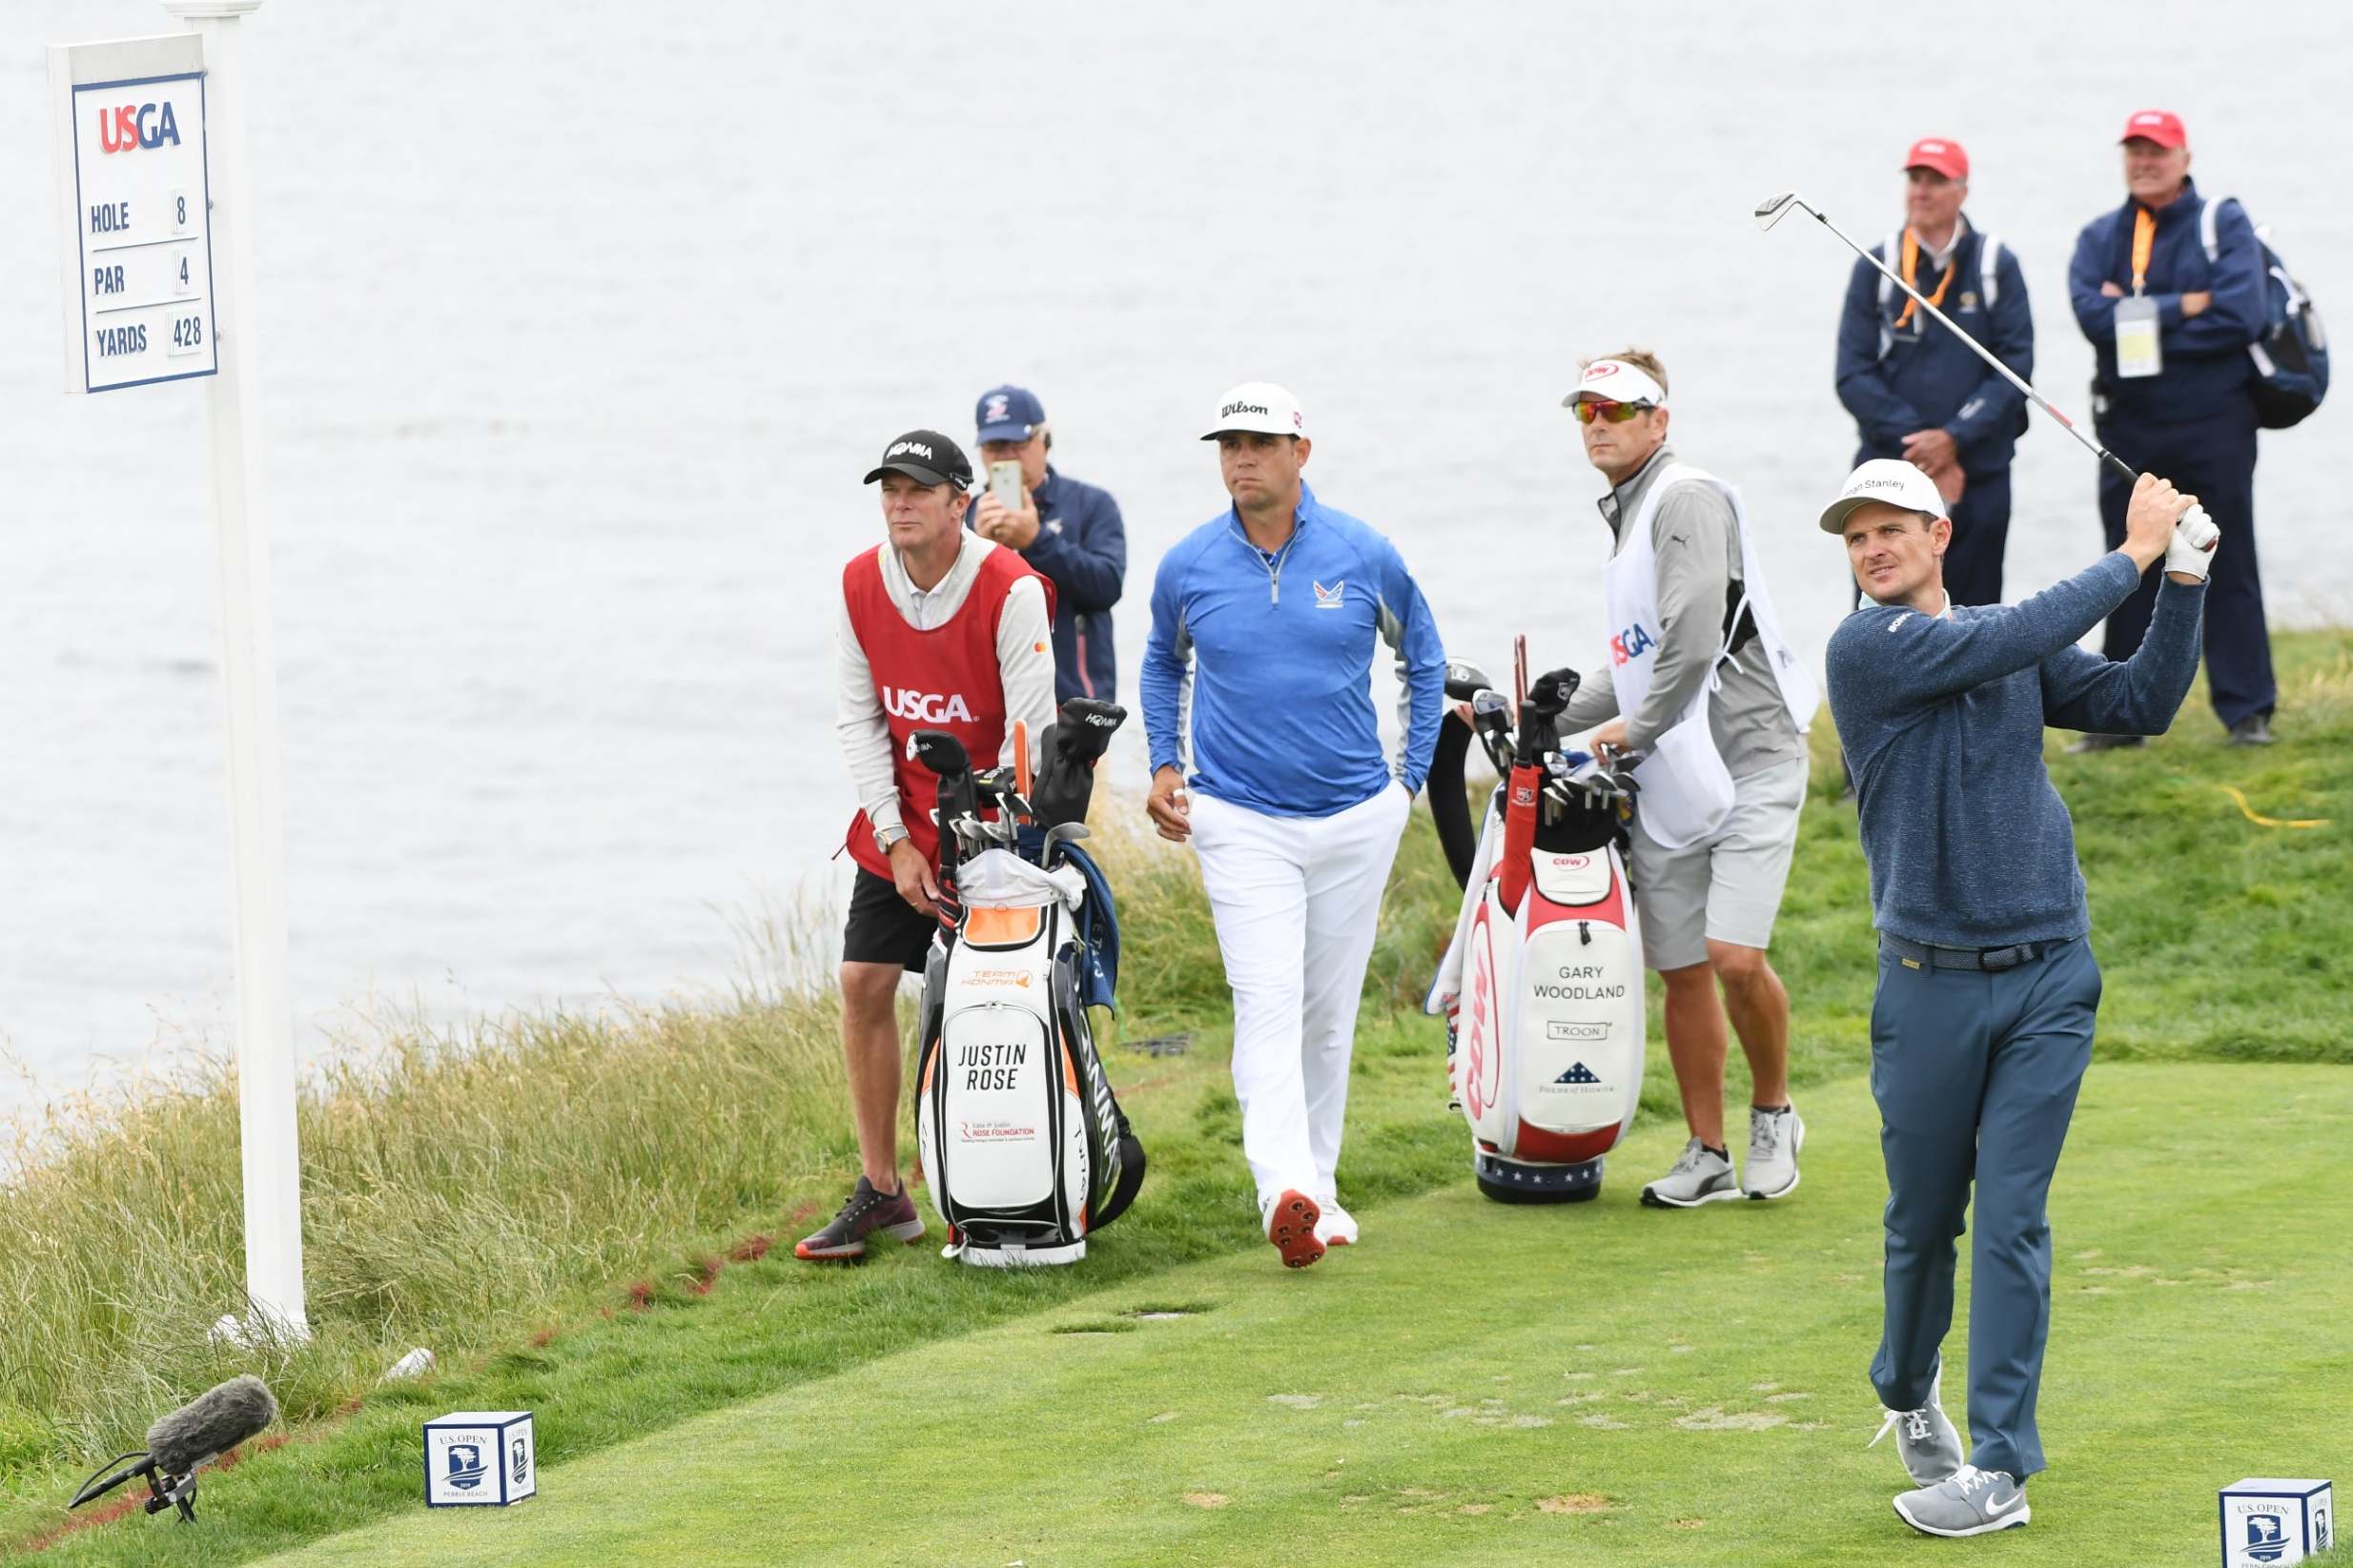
(1775, 208)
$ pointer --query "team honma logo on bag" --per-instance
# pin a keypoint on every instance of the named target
(1329, 599)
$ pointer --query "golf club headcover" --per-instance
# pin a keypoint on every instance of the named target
(211, 1424)
(2195, 540)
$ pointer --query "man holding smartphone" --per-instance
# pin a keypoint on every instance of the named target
(1265, 617)
(1067, 530)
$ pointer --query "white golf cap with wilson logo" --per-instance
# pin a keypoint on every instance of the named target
(1615, 381)
(1259, 406)
(1889, 481)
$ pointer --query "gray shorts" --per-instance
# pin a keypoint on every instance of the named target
(1728, 887)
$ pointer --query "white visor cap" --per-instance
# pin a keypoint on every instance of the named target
(1259, 406)
(1888, 481)
(1615, 381)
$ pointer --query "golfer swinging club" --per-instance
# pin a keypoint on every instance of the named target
(1275, 604)
(1981, 1026)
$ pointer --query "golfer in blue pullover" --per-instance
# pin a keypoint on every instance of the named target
(1981, 1026)
(1263, 621)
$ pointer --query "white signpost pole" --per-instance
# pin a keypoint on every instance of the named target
(272, 1167)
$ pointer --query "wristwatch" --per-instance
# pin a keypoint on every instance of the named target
(886, 837)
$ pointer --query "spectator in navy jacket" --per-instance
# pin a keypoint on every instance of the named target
(1069, 531)
(1916, 391)
(2193, 419)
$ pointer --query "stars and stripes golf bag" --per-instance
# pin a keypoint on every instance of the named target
(1542, 988)
(1025, 1150)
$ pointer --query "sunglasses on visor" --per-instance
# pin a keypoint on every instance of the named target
(1617, 413)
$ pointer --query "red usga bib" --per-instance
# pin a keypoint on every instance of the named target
(942, 678)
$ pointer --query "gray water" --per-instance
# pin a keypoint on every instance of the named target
(581, 323)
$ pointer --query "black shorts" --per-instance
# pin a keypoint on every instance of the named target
(883, 928)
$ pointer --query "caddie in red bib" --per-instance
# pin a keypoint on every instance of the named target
(939, 629)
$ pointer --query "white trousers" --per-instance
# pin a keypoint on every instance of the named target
(1297, 901)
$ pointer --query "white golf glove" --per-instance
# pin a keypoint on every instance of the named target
(2195, 540)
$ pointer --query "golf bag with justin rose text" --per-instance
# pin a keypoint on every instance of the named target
(1542, 988)
(1025, 1150)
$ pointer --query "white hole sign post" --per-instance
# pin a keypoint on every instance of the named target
(156, 189)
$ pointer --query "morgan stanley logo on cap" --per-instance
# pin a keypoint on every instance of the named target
(1259, 406)
(1890, 482)
(1616, 382)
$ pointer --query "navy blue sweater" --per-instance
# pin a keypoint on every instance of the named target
(1925, 378)
(1082, 546)
(1968, 842)
(2207, 373)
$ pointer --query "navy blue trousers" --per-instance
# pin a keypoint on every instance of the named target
(2213, 459)
(1981, 533)
(1976, 1074)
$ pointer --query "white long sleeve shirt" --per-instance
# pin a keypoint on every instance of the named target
(1024, 656)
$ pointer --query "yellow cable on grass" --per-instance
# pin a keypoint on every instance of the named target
(2258, 819)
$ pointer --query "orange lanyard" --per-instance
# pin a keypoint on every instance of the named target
(2144, 240)
(1912, 271)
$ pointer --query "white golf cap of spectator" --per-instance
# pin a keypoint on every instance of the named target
(1261, 406)
(1889, 481)
(1616, 382)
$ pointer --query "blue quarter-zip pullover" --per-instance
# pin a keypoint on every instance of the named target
(1279, 646)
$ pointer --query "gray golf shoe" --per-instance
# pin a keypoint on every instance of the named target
(1698, 1176)
(1973, 1502)
(1931, 1449)
(1774, 1138)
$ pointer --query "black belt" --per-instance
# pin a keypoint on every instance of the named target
(1916, 954)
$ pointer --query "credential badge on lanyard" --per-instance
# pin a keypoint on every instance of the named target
(2139, 351)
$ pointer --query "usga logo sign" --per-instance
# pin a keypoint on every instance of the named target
(127, 125)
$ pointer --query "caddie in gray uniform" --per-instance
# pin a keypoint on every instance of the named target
(1699, 679)
(1981, 1026)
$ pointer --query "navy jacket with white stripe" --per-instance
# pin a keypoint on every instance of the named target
(1922, 377)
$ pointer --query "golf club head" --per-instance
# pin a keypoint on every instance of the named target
(939, 751)
(1084, 729)
(1465, 679)
(1552, 690)
(1775, 208)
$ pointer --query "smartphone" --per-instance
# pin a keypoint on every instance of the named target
(1005, 484)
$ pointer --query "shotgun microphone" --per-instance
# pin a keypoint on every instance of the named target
(195, 1435)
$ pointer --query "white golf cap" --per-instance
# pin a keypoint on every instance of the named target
(1616, 382)
(1262, 406)
(1889, 481)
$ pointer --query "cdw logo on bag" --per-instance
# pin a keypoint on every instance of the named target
(925, 707)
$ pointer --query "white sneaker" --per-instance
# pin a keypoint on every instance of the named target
(1698, 1176)
(1336, 1228)
(1774, 1138)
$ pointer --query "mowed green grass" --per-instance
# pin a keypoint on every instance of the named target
(1483, 1384)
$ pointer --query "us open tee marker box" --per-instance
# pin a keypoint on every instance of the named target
(135, 192)
(480, 1458)
(2270, 1523)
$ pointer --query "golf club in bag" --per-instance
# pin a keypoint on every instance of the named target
(2196, 526)
(1025, 1150)
(1542, 988)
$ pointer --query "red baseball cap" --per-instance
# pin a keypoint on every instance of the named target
(2161, 126)
(1943, 155)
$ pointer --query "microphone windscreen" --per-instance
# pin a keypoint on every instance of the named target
(214, 1422)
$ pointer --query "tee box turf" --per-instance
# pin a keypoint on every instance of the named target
(480, 1458)
(2270, 1523)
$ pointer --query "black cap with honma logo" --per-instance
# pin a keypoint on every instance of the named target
(927, 458)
